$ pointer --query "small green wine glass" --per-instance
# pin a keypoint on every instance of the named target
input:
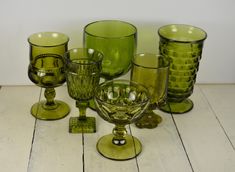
(83, 67)
(120, 102)
(46, 69)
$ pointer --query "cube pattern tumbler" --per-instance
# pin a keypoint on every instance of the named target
(183, 45)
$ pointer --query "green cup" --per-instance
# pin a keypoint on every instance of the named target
(183, 45)
(46, 69)
(117, 40)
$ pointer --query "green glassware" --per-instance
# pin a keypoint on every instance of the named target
(117, 40)
(183, 44)
(83, 67)
(151, 70)
(46, 69)
(120, 102)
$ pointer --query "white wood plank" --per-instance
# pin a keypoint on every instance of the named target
(162, 148)
(221, 99)
(16, 126)
(207, 146)
(54, 149)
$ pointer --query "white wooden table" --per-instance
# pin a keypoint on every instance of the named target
(202, 140)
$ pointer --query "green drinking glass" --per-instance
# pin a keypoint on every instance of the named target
(151, 70)
(117, 40)
(46, 69)
(83, 67)
(183, 45)
(120, 102)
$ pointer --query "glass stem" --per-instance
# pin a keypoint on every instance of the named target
(50, 96)
(119, 133)
(82, 105)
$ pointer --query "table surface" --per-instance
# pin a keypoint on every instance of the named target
(202, 140)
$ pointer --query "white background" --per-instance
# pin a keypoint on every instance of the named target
(21, 18)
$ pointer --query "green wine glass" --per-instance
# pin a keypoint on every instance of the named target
(120, 102)
(151, 70)
(117, 40)
(83, 67)
(183, 45)
(46, 69)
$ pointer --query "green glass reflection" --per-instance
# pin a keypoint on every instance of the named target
(83, 67)
(46, 69)
(120, 102)
(117, 40)
(151, 70)
(183, 44)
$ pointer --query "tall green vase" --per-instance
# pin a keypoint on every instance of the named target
(183, 45)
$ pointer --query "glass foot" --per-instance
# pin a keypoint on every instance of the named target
(149, 120)
(43, 112)
(178, 107)
(77, 125)
(129, 150)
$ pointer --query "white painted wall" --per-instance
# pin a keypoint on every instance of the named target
(20, 18)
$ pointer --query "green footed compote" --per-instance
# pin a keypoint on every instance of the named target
(83, 67)
(151, 70)
(183, 45)
(120, 102)
(117, 40)
(46, 69)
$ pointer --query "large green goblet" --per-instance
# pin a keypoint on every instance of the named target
(117, 40)
(46, 69)
(120, 102)
(83, 67)
(183, 45)
(151, 70)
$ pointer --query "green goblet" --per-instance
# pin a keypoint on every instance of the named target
(151, 70)
(183, 45)
(46, 69)
(83, 67)
(117, 40)
(120, 102)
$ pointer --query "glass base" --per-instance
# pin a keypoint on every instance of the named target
(149, 120)
(77, 125)
(178, 107)
(44, 112)
(129, 150)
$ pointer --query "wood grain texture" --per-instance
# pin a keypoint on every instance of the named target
(16, 127)
(206, 144)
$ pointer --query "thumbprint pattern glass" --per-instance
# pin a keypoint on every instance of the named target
(183, 45)
(83, 67)
(151, 70)
(120, 102)
(46, 69)
(117, 40)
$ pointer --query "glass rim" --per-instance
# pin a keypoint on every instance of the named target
(66, 39)
(167, 65)
(126, 82)
(82, 50)
(181, 41)
(106, 37)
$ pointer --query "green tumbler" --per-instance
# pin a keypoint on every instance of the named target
(183, 45)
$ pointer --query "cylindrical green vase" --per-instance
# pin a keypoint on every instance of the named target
(183, 45)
